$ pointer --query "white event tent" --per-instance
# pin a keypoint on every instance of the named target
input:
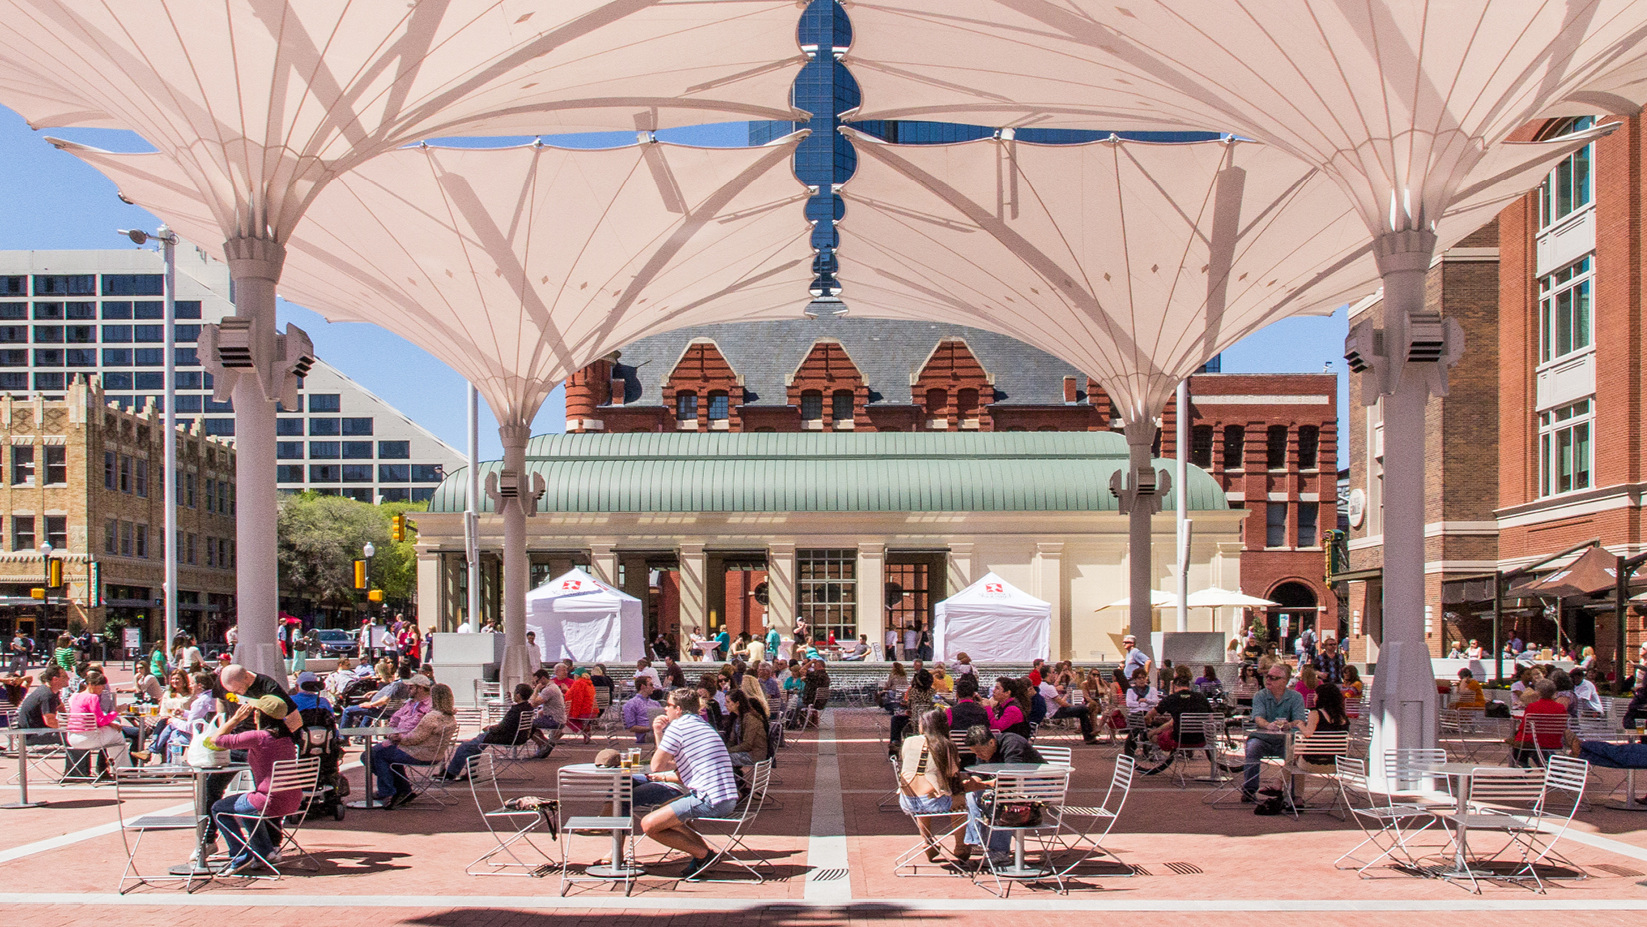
(518, 266)
(578, 617)
(259, 104)
(1134, 261)
(991, 621)
(1401, 102)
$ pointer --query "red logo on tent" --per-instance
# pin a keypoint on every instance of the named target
(993, 587)
(571, 585)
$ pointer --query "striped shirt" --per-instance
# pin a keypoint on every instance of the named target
(701, 759)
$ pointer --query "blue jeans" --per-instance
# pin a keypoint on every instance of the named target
(1258, 747)
(389, 780)
(474, 746)
(1614, 756)
(234, 829)
(355, 715)
(1000, 841)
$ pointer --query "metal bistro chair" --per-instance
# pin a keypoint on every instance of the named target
(1545, 733)
(941, 824)
(613, 796)
(1044, 791)
(1329, 746)
(1088, 826)
(511, 755)
(1512, 802)
(1406, 771)
(814, 711)
(428, 780)
(1385, 824)
(511, 828)
(1058, 756)
(287, 775)
(83, 722)
(732, 829)
(150, 783)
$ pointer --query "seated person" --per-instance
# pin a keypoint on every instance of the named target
(551, 712)
(640, 709)
(1276, 709)
(748, 727)
(1527, 747)
(265, 744)
(418, 747)
(1141, 697)
(1467, 692)
(691, 777)
(506, 731)
(931, 789)
(1059, 707)
(967, 710)
(1608, 754)
(856, 650)
(381, 702)
(1164, 718)
(991, 747)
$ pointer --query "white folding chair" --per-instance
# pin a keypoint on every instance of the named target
(940, 824)
(1504, 801)
(1545, 731)
(152, 784)
(509, 756)
(1085, 827)
(1410, 779)
(429, 780)
(732, 830)
(287, 775)
(83, 722)
(611, 797)
(511, 828)
(1057, 756)
(1312, 755)
(1384, 824)
(1044, 791)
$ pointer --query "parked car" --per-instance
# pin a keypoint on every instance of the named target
(336, 642)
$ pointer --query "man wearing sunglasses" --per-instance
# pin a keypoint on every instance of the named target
(1276, 709)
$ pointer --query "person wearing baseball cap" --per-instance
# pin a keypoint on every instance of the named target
(417, 705)
(1135, 659)
(310, 693)
(266, 743)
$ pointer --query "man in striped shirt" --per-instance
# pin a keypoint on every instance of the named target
(691, 778)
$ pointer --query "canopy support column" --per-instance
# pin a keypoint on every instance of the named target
(1139, 490)
(256, 367)
(515, 497)
(1408, 365)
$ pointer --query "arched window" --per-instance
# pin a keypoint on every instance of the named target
(966, 403)
(1235, 440)
(686, 406)
(718, 406)
(937, 402)
(812, 405)
(1275, 441)
(840, 405)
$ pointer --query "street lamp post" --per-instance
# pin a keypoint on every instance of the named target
(368, 551)
(45, 586)
(168, 249)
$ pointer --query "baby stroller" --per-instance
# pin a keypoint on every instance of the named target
(318, 737)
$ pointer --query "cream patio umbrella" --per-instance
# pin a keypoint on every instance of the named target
(1399, 101)
(259, 104)
(1133, 261)
(519, 266)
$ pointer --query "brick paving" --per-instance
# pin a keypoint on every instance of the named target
(407, 865)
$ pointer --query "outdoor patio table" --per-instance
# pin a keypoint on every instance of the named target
(366, 733)
(23, 762)
(618, 868)
(1460, 772)
(1019, 869)
(199, 865)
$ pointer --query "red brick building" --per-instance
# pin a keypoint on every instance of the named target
(1269, 439)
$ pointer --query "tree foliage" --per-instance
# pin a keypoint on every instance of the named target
(319, 539)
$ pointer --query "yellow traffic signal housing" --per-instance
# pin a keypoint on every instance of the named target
(54, 573)
(360, 574)
(397, 528)
(376, 595)
(37, 593)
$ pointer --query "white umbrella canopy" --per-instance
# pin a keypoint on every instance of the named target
(261, 102)
(1225, 598)
(1157, 599)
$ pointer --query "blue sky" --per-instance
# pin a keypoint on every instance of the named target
(51, 200)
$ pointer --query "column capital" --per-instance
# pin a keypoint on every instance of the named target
(780, 550)
(871, 549)
(689, 550)
(1050, 548)
(961, 548)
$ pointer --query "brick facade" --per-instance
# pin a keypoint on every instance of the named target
(107, 498)
(949, 387)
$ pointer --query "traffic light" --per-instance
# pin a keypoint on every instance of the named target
(397, 528)
(54, 573)
(37, 593)
(360, 574)
(376, 595)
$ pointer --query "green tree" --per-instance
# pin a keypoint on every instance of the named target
(319, 539)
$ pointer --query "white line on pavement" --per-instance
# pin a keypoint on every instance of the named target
(827, 878)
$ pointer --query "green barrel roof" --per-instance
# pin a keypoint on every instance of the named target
(828, 472)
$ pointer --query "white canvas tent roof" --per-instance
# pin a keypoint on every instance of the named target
(991, 621)
(580, 617)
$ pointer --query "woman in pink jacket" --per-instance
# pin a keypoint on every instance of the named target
(264, 747)
(109, 732)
